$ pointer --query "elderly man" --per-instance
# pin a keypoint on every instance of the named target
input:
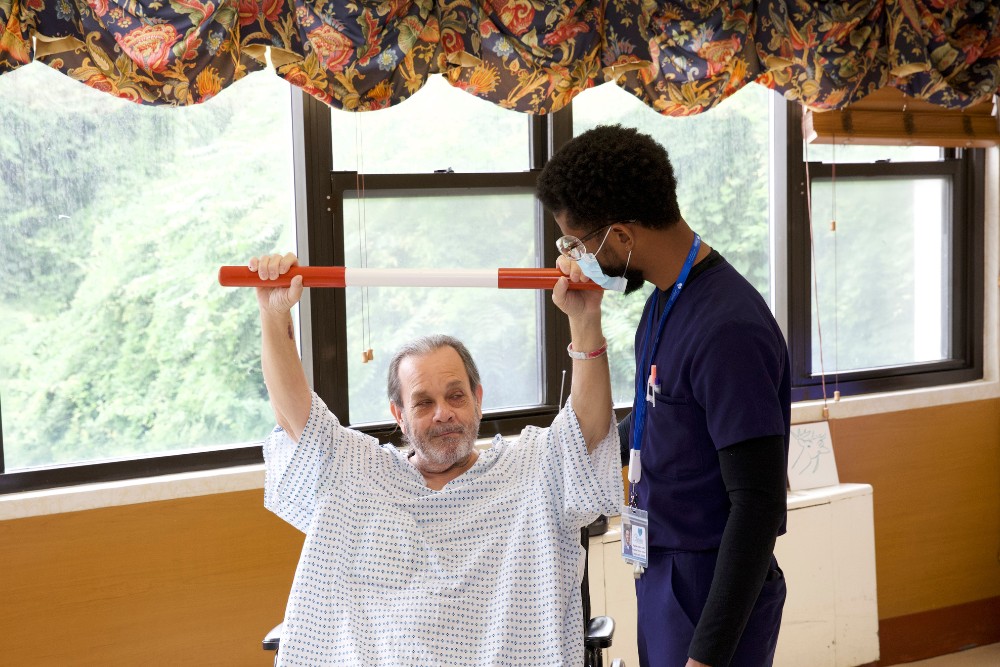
(440, 555)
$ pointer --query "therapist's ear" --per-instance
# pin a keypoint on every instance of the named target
(624, 235)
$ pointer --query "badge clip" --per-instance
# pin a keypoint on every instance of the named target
(652, 386)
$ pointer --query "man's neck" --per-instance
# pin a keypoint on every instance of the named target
(436, 479)
(664, 254)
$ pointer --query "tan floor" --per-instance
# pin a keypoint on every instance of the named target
(983, 656)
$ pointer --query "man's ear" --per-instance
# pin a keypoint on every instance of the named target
(625, 235)
(479, 399)
(397, 414)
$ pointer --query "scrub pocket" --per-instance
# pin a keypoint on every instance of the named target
(760, 637)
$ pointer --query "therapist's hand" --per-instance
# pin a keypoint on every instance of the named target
(694, 663)
(585, 304)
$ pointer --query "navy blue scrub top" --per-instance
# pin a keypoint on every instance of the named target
(723, 368)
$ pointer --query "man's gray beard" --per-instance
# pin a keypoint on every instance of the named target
(444, 456)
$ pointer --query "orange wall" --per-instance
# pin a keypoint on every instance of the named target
(194, 581)
(936, 479)
(200, 580)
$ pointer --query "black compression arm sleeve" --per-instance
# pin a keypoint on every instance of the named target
(754, 475)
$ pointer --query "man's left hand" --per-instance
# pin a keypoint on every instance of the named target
(575, 303)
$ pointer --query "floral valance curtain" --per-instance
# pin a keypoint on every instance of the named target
(680, 57)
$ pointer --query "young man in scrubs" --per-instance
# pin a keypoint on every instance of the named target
(708, 434)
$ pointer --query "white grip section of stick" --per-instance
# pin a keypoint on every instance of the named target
(634, 466)
(421, 278)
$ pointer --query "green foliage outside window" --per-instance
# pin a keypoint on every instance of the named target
(116, 338)
(883, 275)
(458, 231)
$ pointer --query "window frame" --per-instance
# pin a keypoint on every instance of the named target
(326, 189)
(182, 461)
(319, 206)
(966, 170)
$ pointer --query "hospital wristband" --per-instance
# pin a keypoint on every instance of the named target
(586, 355)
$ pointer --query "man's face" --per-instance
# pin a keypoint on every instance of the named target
(440, 413)
(610, 258)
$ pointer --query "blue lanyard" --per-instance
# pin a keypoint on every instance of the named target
(639, 406)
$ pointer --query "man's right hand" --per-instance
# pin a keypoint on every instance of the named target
(278, 300)
(286, 382)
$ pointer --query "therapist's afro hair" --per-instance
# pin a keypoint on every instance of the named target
(611, 174)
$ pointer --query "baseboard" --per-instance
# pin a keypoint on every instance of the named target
(939, 631)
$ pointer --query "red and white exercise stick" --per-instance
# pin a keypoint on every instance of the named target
(340, 276)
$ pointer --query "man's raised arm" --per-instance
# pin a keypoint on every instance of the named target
(591, 384)
(286, 382)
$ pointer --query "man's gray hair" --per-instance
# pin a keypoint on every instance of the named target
(423, 346)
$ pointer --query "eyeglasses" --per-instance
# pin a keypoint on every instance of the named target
(574, 247)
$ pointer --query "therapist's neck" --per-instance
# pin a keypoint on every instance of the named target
(662, 253)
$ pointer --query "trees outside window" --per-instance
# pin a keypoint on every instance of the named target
(116, 341)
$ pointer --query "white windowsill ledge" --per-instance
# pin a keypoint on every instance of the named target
(246, 478)
(131, 491)
(913, 399)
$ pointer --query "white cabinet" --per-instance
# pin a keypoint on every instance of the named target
(828, 556)
(612, 593)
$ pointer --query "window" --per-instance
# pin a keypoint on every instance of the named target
(437, 129)
(443, 227)
(444, 181)
(116, 341)
(121, 357)
(886, 291)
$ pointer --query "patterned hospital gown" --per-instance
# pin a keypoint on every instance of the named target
(485, 572)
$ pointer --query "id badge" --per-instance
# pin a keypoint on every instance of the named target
(635, 536)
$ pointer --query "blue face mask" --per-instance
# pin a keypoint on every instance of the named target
(592, 269)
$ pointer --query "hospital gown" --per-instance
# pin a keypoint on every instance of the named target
(484, 572)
